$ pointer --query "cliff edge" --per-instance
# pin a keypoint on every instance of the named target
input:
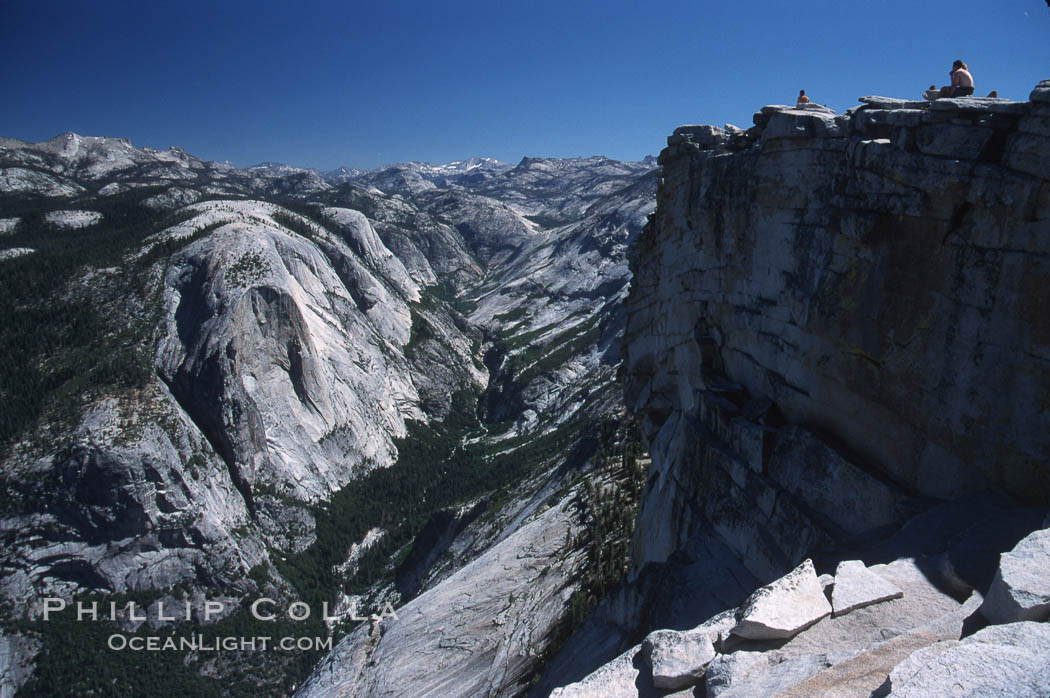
(837, 347)
(853, 300)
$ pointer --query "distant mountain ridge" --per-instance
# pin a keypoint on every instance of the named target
(269, 381)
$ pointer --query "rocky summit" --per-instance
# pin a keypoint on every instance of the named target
(837, 350)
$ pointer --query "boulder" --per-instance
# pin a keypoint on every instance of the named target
(876, 102)
(814, 107)
(864, 673)
(781, 610)
(796, 123)
(700, 134)
(748, 674)
(1041, 93)
(617, 679)
(729, 671)
(856, 587)
(979, 104)
(1021, 587)
(1005, 660)
(678, 659)
(717, 628)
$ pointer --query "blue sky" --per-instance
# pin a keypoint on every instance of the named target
(322, 84)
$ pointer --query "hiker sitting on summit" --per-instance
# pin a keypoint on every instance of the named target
(802, 98)
(962, 82)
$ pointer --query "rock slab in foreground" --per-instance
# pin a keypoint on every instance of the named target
(678, 659)
(749, 674)
(784, 608)
(1021, 588)
(856, 587)
(1003, 660)
(616, 679)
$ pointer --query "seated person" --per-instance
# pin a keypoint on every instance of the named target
(802, 98)
(962, 81)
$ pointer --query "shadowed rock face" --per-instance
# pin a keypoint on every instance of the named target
(859, 298)
(471, 635)
(878, 282)
(433, 541)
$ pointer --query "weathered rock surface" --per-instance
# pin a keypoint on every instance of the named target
(809, 294)
(432, 542)
(784, 608)
(473, 634)
(746, 674)
(856, 587)
(70, 220)
(1002, 660)
(16, 662)
(839, 655)
(617, 679)
(124, 477)
(863, 673)
(14, 252)
(677, 659)
(284, 349)
(1021, 588)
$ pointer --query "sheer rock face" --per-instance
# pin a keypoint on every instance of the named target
(832, 320)
(282, 347)
(874, 286)
(135, 471)
(473, 634)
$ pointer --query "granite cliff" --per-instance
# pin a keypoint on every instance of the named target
(838, 349)
(224, 384)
